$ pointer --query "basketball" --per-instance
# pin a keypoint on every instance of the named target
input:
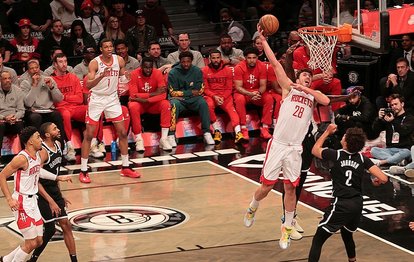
(269, 24)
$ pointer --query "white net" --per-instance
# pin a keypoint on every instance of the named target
(321, 42)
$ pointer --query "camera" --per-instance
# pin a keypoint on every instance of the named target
(388, 111)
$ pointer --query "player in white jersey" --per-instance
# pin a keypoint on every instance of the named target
(105, 71)
(26, 167)
(285, 148)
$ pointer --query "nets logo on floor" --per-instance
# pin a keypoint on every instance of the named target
(125, 219)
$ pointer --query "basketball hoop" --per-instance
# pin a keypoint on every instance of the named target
(321, 41)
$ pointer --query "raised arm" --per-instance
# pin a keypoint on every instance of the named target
(282, 78)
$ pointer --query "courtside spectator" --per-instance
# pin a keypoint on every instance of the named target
(139, 36)
(113, 30)
(80, 38)
(184, 46)
(11, 107)
(230, 55)
(250, 82)
(126, 20)
(55, 38)
(71, 107)
(12, 72)
(161, 63)
(147, 94)
(92, 23)
(63, 10)
(157, 17)
(81, 69)
(218, 89)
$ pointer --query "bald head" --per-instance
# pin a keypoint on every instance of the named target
(293, 38)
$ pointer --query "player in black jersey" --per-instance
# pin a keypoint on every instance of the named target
(346, 207)
(51, 202)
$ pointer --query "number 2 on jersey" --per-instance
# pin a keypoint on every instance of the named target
(298, 111)
(348, 174)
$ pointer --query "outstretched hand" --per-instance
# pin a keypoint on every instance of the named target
(260, 32)
(64, 178)
(331, 129)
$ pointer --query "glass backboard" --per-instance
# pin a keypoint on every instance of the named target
(369, 20)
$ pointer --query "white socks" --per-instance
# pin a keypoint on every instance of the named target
(254, 203)
(237, 129)
(289, 218)
(125, 160)
(17, 255)
(84, 164)
(164, 132)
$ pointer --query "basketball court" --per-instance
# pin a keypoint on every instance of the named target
(190, 211)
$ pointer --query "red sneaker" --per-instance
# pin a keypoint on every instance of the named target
(84, 177)
(264, 132)
(128, 172)
(245, 133)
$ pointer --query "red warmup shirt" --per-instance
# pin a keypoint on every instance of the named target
(141, 86)
(70, 86)
(250, 76)
(301, 58)
(218, 82)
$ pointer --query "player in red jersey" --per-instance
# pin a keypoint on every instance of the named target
(218, 89)
(26, 168)
(147, 94)
(250, 84)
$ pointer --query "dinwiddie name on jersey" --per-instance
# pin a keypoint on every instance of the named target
(372, 208)
(55, 162)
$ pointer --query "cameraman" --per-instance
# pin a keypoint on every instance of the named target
(398, 126)
(358, 112)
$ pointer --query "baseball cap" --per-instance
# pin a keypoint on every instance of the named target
(140, 12)
(86, 4)
(354, 90)
(24, 22)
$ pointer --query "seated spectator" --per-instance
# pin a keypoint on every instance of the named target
(131, 63)
(100, 10)
(403, 51)
(55, 38)
(401, 83)
(80, 38)
(25, 45)
(230, 55)
(71, 107)
(126, 20)
(37, 11)
(53, 52)
(358, 112)
(257, 43)
(156, 16)
(218, 89)
(185, 83)
(12, 72)
(237, 31)
(250, 82)
(81, 69)
(41, 94)
(139, 36)
(63, 10)
(92, 23)
(147, 94)
(398, 126)
(184, 45)
(112, 30)
(161, 63)
(5, 48)
(11, 107)
(322, 81)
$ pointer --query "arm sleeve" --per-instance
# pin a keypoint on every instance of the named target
(47, 175)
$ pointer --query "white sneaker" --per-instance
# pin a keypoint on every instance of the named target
(101, 148)
(295, 235)
(139, 145)
(209, 139)
(71, 154)
(296, 225)
(94, 151)
(164, 144)
(284, 241)
(171, 140)
(397, 170)
(249, 216)
(409, 173)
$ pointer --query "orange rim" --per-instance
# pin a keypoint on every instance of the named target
(319, 30)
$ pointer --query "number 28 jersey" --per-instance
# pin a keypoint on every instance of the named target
(109, 84)
(295, 114)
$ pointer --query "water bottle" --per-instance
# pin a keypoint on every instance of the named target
(113, 151)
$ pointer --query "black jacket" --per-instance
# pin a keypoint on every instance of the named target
(403, 125)
(132, 39)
